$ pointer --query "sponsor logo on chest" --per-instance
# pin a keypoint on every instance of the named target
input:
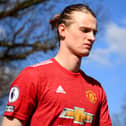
(78, 115)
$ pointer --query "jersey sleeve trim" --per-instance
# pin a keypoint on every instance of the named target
(16, 115)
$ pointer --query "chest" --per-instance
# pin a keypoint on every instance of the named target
(72, 94)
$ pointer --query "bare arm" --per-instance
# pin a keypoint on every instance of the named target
(9, 121)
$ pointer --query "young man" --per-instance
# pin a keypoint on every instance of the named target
(56, 92)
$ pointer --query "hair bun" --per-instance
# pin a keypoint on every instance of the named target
(54, 21)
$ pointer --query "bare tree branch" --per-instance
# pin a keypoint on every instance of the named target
(18, 7)
(19, 30)
(36, 46)
(30, 30)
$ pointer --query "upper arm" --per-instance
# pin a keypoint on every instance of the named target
(22, 98)
(9, 121)
(105, 119)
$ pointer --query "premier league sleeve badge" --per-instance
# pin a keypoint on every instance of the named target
(14, 94)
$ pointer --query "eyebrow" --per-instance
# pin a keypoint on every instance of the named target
(84, 27)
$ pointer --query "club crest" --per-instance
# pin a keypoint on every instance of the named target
(91, 96)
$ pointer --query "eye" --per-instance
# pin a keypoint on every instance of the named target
(94, 32)
(85, 30)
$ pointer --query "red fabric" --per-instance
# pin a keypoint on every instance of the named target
(50, 95)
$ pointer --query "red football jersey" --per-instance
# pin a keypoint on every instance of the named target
(46, 94)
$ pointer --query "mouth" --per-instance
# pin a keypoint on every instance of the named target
(87, 45)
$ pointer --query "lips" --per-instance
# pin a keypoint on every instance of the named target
(88, 45)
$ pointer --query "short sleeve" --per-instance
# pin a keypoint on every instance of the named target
(105, 119)
(23, 95)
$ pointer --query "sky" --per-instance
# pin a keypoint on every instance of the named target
(107, 60)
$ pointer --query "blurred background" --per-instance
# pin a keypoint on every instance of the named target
(26, 38)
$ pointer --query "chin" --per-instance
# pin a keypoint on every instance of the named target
(85, 54)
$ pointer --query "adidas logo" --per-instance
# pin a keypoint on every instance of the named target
(60, 90)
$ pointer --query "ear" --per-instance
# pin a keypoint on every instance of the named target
(61, 30)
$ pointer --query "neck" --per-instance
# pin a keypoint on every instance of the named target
(68, 61)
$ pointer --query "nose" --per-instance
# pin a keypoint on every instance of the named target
(91, 36)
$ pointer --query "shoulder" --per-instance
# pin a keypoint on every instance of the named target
(33, 74)
(92, 81)
(32, 77)
(95, 85)
(43, 63)
(37, 69)
(43, 67)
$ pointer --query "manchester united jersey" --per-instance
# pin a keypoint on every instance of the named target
(46, 94)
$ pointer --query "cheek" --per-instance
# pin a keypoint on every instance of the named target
(77, 35)
(72, 37)
(82, 35)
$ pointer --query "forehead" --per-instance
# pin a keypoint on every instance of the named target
(84, 19)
